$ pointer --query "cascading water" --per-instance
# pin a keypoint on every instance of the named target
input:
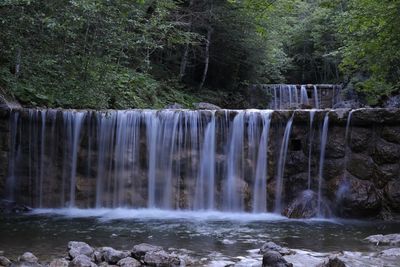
(260, 184)
(166, 159)
(316, 98)
(324, 137)
(281, 166)
(304, 95)
(310, 142)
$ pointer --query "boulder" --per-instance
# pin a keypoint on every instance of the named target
(274, 259)
(386, 152)
(112, 256)
(174, 106)
(391, 134)
(82, 261)
(385, 173)
(356, 198)
(161, 258)
(140, 250)
(129, 262)
(392, 102)
(59, 263)
(76, 248)
(333, 262)
(4, 261)
(205, 105)
(305, 205)
(271, 246)
(391, 252)
(360, 138)
(11, 207)
(391, 239)
(361, 166)
(392, 194)
(28, 257)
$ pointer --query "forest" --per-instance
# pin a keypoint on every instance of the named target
(150, 53)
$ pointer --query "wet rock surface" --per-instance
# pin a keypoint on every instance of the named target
(306, 206)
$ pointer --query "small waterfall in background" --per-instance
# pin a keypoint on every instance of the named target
(304, 95)
(14, 154)
(310, 142)
(324, 137)
(316, 98)
(281, 166)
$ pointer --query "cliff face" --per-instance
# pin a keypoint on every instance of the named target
(226, 160)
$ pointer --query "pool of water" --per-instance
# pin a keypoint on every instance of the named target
(204, 234)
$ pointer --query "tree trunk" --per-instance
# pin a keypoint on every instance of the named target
(207, 57)
(182, 71)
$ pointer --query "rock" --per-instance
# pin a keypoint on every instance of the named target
(392, 102)
(161, 259)
(386, 152)
(333, 262)
(28, 257)
(271, 246)
(112, 256)
(349, 104)
(140, 250)
(392, 194)
(205, 105)
(391, 252)
(361, 166)
(391, 134)
(384, 173)
(129, 262)
(391, 239)
(355, 197)
(4, 261)
(274, 259)
(82, 261)
(11, 207)
(59, 263)
(360, 138)
(306, 206)
(97, 257)
(174, 106)
(76, 248)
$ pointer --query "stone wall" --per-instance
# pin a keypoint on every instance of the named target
(361, 176)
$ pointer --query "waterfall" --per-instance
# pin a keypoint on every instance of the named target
(304, 95)
(232, 194)
(281, 166)
(310, 142)
(324, 137)
(316, 99)
(42, 152)
(73, 125)
(12, 159)
(260, 183)
(205, 183)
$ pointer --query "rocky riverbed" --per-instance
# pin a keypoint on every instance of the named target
(81, 254)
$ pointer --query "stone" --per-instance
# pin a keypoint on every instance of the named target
(392, 194)
(205, 105)
(271, 246)
(305, 205)
(97, 257)
(82, 261)
(386, 152)
(391, 239)
(392, 102)
(391, 252)
(129, 262)
(335, 148)
(361, 166)
(28, 257)
(140, 250)
(360, 138)
(161, 258)
(4, 261)
(59, 263)
(385, 173)
(76, 248)
(391, 134)
(333, 262)
(174, 106)
(333, 168)
(112, 256)
(274, 259)
(356, 198)
(348, 104)
(11, 207)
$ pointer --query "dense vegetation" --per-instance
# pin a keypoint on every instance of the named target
(150, 53)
